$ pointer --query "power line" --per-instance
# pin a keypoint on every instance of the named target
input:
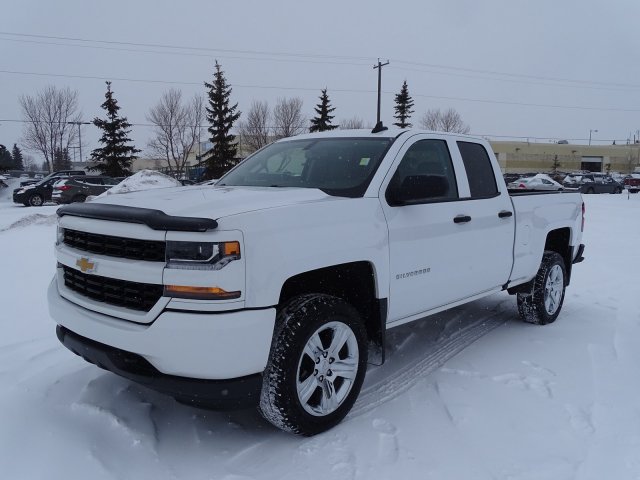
(328, 62)
(182, 48)
(339, 90)
(518, 75)
(185, 47)
(190, 54)
(523, 82)
(273, 127)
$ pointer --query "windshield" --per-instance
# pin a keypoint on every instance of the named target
(337, 166)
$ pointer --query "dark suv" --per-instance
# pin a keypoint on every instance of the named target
(592, 183)
(59, 174)
(77, 189)
(35, 195)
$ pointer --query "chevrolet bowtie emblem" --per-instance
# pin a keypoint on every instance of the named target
(85, 265)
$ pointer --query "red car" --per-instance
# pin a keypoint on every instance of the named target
(632, 183)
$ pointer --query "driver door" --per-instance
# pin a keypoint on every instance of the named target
(425, 242)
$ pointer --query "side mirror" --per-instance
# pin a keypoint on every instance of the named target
(418, 188)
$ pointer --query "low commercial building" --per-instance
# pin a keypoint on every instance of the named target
(523, 157)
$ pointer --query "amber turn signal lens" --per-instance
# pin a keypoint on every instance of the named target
(200, 293)
(231, 248)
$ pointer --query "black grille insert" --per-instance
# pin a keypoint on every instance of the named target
(121, 247)
(133, 295)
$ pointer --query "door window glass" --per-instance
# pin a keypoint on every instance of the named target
(482, 181)
(426, 169)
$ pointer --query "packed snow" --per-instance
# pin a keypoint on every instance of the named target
(142, 180)
(473, 393)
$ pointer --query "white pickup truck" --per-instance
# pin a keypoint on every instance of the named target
(275, 286)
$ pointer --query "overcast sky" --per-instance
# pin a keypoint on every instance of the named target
(547, 68)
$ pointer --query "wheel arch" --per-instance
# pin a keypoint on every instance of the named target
(355, 283)
(559, 241)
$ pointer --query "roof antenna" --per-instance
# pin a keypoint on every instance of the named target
(379, 127)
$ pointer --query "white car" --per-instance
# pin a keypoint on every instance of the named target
(539, 182)
(275, 286)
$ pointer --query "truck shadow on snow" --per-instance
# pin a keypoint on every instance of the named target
(413, 352)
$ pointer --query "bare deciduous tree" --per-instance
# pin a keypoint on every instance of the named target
(176, 128)
(29, 163)
(352, 123)
(287, 118)
(254, 131)
(48, 116)
(448, 121)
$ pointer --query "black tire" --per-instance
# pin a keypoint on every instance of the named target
(590, 190)
(78, 198)
(36, 200)
(297, 321)
(532, 306)
(617, 190)
(633, 191)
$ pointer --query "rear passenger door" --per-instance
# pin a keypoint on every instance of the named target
(487, 258)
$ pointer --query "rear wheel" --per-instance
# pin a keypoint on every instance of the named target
(590, 190)
(36, 200)
(79, 198)
(316, 366)
(543, 304)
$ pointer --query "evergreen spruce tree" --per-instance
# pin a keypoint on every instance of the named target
(115, 156)
(61, 159)
(403, 106)
(6, 161)
(16, 154)
(221, 117)
(322, 121)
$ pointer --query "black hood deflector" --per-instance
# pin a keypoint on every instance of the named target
(154, 219)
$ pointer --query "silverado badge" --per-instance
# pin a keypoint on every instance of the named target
(85, 265)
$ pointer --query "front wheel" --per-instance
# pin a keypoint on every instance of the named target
(316, 365)
(543, 304)
(36, 200)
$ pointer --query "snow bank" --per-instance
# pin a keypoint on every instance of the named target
(143, 180)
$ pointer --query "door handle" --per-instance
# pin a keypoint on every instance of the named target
(505, 214)
(462, 219)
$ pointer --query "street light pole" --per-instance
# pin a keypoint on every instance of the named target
(79, 134)
(590, 131)
(379, 67)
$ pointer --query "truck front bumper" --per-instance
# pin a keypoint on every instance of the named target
(213, 359)
(227, 394)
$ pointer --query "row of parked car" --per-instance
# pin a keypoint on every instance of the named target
(66, 186)
(585, 182)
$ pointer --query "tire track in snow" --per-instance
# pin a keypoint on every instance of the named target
(372, 396)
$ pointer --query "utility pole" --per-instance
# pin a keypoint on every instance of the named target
(79, 134)
(379, 67)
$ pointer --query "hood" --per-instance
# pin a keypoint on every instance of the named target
(215, 202)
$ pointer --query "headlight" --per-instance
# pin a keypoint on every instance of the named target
(201, 255)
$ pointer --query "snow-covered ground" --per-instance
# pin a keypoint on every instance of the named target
(469, 394)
